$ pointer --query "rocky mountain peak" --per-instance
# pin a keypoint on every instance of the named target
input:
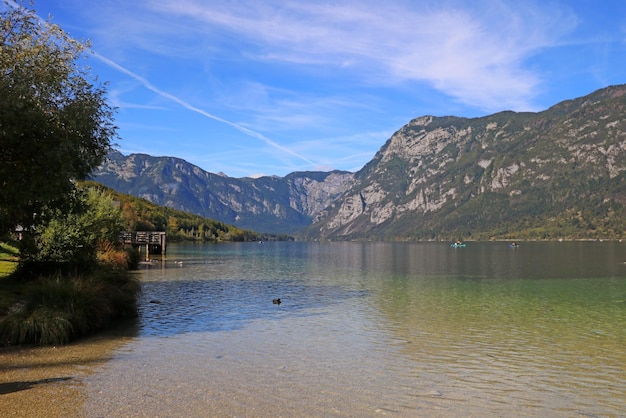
(556, 173)
(449, 176)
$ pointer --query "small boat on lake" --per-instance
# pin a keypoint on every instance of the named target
(457, 244)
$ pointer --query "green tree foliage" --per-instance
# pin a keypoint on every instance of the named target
(142, 215)
(55, 124)
(95, 221)
(76, 276)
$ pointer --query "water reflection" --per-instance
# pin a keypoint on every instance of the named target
(199, 305)
(367, 329)
(523, 332)
(490, 260)
(422, 327)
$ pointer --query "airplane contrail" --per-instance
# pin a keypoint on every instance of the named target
(150, 86)
(188, 106)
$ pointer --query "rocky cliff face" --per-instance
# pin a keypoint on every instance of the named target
(448, 176)
(267, 204)
(556, 173)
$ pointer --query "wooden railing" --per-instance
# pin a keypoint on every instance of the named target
(154, 242)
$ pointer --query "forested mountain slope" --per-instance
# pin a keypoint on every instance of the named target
(559, 173)
(277, 205)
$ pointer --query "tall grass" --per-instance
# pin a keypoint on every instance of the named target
(58, 309)
(42, 325)
(51, 304)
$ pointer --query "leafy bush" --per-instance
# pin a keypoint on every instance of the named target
(72, 241)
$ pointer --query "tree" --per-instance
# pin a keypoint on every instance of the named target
(74, 237)
(55, 123)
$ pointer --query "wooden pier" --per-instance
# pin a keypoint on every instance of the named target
(153, 242)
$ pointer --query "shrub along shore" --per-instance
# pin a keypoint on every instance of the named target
(71, 276)
(51, 307)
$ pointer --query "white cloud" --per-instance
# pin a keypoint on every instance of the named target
(471, 51)
(307, 73)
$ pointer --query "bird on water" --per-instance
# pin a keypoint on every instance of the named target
(276, 301)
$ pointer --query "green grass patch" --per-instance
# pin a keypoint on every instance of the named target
(7, 267)
(8, 251)
(9, 256)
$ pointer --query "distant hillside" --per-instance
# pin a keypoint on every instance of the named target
(559, 173)
(142, 215)
(277, 205)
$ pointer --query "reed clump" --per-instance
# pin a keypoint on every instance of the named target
(57, 309)
(59, 304)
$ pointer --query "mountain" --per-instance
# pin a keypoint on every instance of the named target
(277, 205)
(559, 173)
(551, 174)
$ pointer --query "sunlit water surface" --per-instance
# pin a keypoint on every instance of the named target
(373, 329)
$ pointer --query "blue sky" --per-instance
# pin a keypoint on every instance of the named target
(256, 87)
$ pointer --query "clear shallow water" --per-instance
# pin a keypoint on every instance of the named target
(373, 329)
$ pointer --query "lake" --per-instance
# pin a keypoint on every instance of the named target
(363, 329)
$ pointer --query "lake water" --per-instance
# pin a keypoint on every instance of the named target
(364, 329)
